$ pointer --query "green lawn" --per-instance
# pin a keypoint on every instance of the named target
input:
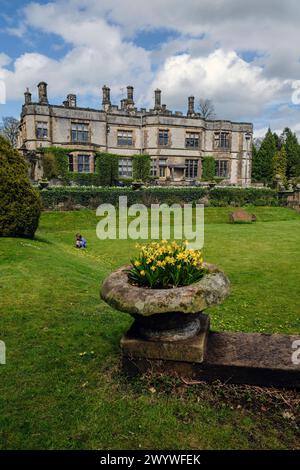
(62, 387)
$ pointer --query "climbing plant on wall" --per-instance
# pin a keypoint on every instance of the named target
(141, 167)
(56, 162)
(107, 168)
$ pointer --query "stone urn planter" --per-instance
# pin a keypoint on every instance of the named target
(166, 314)
(43, 184)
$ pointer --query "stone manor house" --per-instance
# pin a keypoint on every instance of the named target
(176, 143)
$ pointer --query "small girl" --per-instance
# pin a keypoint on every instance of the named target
(80, 241)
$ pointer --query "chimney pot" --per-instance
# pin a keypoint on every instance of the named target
(106, 96)
(27, 95)
(42, 90)
(191, 106)
(72, 101)
(157, 104)
(130, 94)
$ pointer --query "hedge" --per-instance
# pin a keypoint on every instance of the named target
(69, 198)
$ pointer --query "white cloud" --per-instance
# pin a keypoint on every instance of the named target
(237, 87)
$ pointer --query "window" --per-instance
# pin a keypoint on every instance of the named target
(162, 167)
(42, 130)
(83, 163)
(125, 138)
(222, 140)
(222, 168)
(191, 168)
(80, 132)
(71, 163)
(192, 140)
(153, 168)
(125, 167)
(163, 137)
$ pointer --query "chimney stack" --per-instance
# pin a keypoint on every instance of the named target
(191, 106)
(72, 101)
(157, 101)
(42, 90)
(106, 97)
(27, 95)
(130, 95)
(123, 104)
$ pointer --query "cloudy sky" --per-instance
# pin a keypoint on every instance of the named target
(244, 55)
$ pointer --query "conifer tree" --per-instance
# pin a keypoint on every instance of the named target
(292, 152)
(262, 169)
(279, 165)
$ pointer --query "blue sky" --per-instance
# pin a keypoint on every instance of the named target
(242, 55)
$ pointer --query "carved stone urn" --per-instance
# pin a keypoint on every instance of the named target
(166, 314)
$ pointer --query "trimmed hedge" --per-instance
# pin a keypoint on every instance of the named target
(68, 197)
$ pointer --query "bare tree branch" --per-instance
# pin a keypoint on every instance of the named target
(206, 109)
(9, 128)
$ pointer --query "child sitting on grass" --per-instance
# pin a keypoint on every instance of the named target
(80, 241)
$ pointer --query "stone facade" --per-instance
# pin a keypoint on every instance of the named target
(175, 142)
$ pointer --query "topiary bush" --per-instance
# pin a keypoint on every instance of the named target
(20, 204)
(208, 168)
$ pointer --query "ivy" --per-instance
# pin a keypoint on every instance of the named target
(56, 162)
(107, 168)
(141, 167)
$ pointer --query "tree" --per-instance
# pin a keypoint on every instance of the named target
(206, 109)
(279, 165)
(278, 141)
(9, 129)
(293, 153)
(262, 169)
(20, 205)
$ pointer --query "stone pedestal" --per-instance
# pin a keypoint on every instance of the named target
(185, 350)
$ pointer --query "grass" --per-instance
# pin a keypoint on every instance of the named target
(62, 388)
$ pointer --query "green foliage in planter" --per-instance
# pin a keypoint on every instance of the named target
(107, 168)
(208, 168)
(20, 203)
(164, 265)
(141, 167)
(126, 181)
(84, 179)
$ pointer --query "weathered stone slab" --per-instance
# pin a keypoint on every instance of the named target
(191, 350)
(242, 358)
(241, 216)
